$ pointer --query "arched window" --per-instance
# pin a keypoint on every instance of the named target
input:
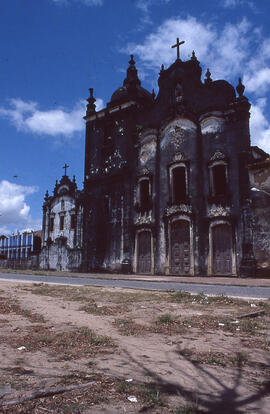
(179, 184)
(144, 193)
(62, 222)
(219, 179)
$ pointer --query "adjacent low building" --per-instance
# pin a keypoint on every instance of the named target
(62, 227)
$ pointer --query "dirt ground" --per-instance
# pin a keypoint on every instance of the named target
(135, 351)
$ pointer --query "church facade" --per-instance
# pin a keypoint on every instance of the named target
(166, 183)
(166, 186)
(62, 227)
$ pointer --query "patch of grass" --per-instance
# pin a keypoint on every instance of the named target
(66, 345)
(166, 318)
(147, 393)
(8, 306)
(94, 309)
(91, 294)
(215, 358)
(186, 409)
(181, 296)
(150, 395)
(129, 328)
(202, 299)
(186, 352)
(240, 359)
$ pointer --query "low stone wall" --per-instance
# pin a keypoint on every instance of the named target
(31, 263)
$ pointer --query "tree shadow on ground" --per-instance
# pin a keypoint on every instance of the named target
(222, 399)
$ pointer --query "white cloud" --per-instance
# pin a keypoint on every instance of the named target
(234, 3)
(14, 212)
(26, 116)
(224, 51)
(85, 2)
(229, 51)
(145, 5)
(258, 81)
(259, 125)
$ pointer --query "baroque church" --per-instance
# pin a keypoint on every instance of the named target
(166, 182)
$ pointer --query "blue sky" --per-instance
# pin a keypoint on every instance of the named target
(52, 51)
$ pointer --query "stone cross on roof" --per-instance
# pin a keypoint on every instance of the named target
(65, 168)
(177, 45)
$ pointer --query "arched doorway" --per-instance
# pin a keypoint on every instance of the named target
(222, 249)
(144, 252)
(180, 247)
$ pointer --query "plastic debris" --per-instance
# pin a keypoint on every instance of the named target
(21, 348)
(221, 324)
(129, 380)
(132, 398)
(235, 321)
(252, 305)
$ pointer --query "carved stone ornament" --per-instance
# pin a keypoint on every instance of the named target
(182, 208)
(179, 156)
(177, 135)
(114, 161)
(219, 211)
(218, 155)
(143, 219)
(143, 171)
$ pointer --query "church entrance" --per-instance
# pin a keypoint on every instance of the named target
(180, 248)
(222, 249)
(144, 255)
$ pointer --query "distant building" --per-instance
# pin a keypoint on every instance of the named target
(62, 227)
(20, 246)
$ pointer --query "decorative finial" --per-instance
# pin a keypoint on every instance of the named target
(132, 61)
(132, 74)
(46, 196)
(91, 107)
(177, 45)
(74, 179)
(240, 88)
(208, 77)
(162, 68)
(153, 93)
(56, 182)
(193, 57)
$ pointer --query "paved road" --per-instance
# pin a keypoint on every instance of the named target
(228, 290)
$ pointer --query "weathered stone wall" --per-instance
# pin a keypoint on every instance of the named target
(58, 256)
(260, 179)
(57, 210)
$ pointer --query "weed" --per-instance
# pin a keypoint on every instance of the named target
(151, 395)
(167, 318)
(19, 361)
(186, 352)
(240, 359)
(187, 409)
(8, 306)
(180, 296)
(91, 364)
(129, 327)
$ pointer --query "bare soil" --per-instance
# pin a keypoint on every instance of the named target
(140, 351)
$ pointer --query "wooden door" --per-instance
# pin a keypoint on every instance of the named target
(222, 249)
(144, 258)
(180, 247)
